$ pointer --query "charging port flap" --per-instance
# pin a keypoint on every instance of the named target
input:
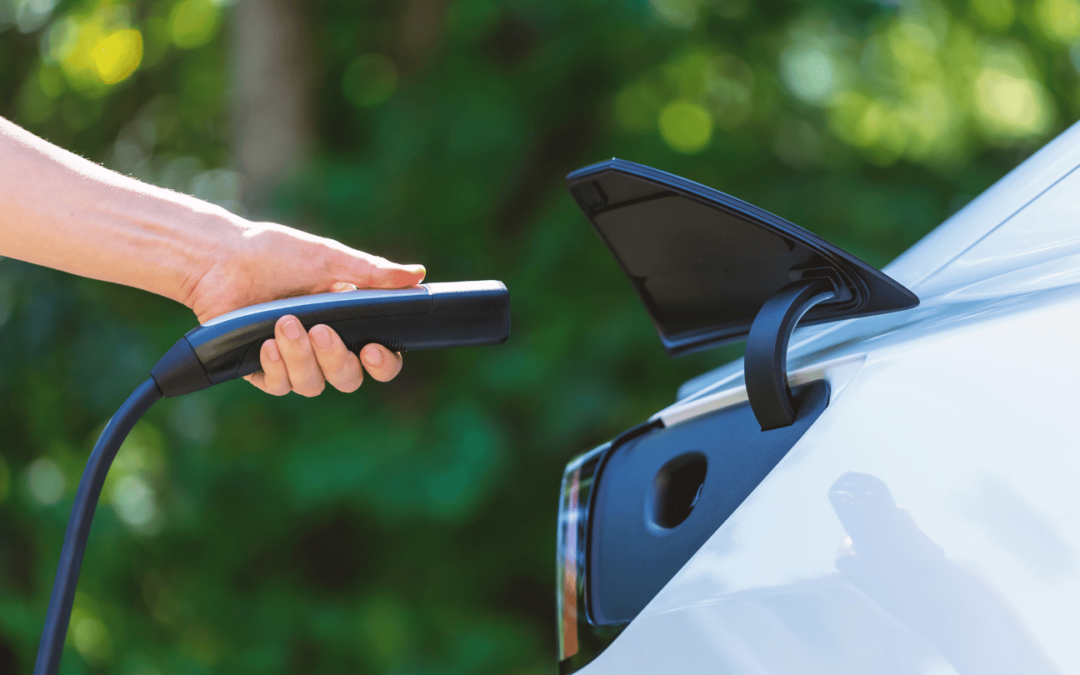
(704, 263)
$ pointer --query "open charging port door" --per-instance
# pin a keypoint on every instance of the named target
(710, 270)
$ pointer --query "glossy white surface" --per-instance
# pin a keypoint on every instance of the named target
(965, 411)
(989, 211)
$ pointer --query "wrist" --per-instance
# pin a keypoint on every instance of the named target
(216, 252)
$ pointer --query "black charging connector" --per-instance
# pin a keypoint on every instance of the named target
(429, 316)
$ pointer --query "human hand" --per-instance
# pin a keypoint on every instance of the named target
(261, 262)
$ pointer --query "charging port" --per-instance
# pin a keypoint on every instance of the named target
(677, 488)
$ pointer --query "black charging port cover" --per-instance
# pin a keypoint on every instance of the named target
(704, 263)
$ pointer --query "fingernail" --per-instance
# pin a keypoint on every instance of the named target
(320, 335)
(272, 352)
(291, 329)
(416, 269)
(373, 356)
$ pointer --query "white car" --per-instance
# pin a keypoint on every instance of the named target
(917, 507)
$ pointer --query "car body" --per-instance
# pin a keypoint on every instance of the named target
(928, 521)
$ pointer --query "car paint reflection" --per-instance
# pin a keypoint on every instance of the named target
(896, 565)
(897, 605)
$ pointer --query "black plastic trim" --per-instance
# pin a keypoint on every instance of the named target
(630, 557)
(179, 371)
(616, 443)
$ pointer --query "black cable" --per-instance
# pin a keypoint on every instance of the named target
(78, 528)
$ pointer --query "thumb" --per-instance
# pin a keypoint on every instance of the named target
(368, 271)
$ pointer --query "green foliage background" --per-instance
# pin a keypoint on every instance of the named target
(409, 528)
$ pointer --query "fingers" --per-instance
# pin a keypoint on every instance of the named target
(304, 362)
(303, 369)
(339, 366)
(274, 379)
(381, 363)
(368, 271)
(392, 275)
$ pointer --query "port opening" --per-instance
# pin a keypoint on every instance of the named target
(677, 489)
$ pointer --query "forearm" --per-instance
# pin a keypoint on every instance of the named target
(65, 212)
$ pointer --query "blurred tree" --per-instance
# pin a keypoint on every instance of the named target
(271, 82)
(409, 527)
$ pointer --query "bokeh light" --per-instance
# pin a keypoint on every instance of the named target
(93, 50)
(129, 487)
(118, 55)
(1009, 103)
(1059, 19)
(810, 71)
(45, 481)
(685, 126)
(88, 633)
(192, 23)
(678, 13)
(27, 15)
(687, 97)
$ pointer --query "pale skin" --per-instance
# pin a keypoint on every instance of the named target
(62, 211)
